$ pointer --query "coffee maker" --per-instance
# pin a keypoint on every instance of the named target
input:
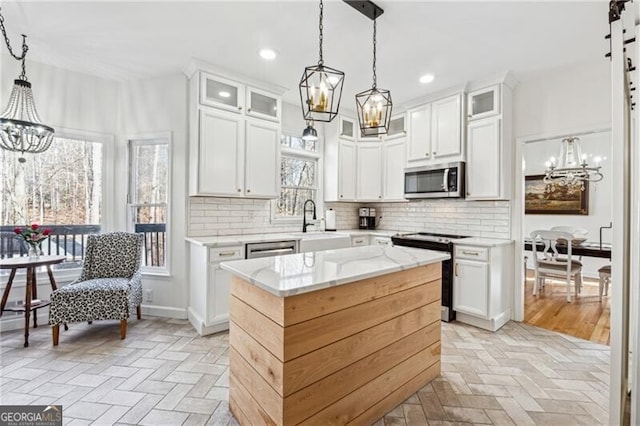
(367, 218)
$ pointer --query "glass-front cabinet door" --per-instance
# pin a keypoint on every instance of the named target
(397, 127)
(484, 102)
(221, 93)
(263, 104)
(347, 128)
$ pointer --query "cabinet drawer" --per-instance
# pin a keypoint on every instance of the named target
(362, 240)
(221, 254)
(473, 253)
(381, 241)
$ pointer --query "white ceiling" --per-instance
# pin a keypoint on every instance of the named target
(458, 41)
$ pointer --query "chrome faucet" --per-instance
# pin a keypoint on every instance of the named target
(304, 214)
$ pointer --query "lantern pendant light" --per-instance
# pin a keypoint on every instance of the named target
(320, 87)
(374, 105)
(20, 127)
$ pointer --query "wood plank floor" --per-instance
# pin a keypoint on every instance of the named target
(585, 317)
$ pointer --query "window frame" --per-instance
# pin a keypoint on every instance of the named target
(108, 217)
(157, 138)
(319, 187)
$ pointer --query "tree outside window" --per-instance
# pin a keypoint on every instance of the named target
(298, 176)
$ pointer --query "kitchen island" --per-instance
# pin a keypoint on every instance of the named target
(332, 337)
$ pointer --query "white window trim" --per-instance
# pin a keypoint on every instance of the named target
(309, 155)
(158, 137)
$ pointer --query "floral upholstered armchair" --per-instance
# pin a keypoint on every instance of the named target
(109, 287)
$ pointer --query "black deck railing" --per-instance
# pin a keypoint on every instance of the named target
(71, 241)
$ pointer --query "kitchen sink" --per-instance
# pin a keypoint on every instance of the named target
(317, 241)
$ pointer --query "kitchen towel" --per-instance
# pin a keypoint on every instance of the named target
(330, 222)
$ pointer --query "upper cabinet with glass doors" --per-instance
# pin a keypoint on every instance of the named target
(483, 103)
(230, 95)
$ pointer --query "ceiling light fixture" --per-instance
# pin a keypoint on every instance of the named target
(309, 133)
(374, 105)
(267, 54)
(427, 78)
(20, 127)
(320, 87)
(572, 169)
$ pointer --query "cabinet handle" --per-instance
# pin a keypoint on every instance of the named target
(239, 190)
(456, 270)
(226, 253)
(359, 241)
(434, 153)
(471, 253)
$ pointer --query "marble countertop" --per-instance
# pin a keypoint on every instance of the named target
(233, 240)
(305, 272)
(484, 242)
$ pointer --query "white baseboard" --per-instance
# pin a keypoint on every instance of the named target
(164, 311)
(492, 324)
(204, 329)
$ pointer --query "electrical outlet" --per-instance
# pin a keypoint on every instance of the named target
(148, 296)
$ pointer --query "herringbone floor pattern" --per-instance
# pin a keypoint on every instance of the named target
(165, 374)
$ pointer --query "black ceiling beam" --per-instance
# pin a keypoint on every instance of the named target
(366, 7)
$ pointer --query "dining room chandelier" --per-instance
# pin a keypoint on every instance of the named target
(374, 105)
(320, 87)
(571, 170)
(21, 129)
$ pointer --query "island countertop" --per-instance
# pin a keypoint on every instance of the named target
(305, 272)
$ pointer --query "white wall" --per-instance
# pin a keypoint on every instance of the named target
(565, 101)
(151, 106)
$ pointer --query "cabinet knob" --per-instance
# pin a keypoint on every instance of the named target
(248, 190)
(468, 193)
(379, 196)
(469, 116)
(248, 109)
(434, 153)
(239, 190)
(341, 195)
(239, 108)
(426, 155)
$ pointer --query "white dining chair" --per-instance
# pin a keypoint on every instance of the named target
(548, 263)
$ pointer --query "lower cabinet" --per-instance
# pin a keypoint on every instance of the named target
(209, 287)
(482, 279)
(381, 241)
(360, 240)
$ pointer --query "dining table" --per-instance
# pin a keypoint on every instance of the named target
(585, 248)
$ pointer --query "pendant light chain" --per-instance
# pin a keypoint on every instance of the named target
(321, 60)
(22, 57)
(375, 78)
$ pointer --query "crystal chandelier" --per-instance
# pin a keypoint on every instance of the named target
(320, 87)
(20, 127)
(571, 169)
(374, 105)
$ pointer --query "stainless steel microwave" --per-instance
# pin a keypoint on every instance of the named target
(437, 181)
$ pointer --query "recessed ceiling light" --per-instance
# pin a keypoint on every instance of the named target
(427, 78)
(267, 54)
(224, 94)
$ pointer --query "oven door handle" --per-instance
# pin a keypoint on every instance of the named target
(456, 270)
(445, 180)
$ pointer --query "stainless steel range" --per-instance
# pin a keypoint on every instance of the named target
(437, 242)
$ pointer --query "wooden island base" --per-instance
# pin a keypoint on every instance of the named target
(347, 354)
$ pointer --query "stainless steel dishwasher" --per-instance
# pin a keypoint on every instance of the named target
(274, 248)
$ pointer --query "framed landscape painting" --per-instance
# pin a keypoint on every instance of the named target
(560, 201)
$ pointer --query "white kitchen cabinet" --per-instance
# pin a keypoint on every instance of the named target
(263, 104)
(369, 172)
(394, 161)
(381, 241)
(348, 128)
(209, 286)
(419, 139)
(219, 92)
(397, 127)
(262, 159)
(446, 129)
(484, 159)
(471, 287)
(347, 171)
(483, 102)
(435, 132)
(220, 156)
(237, 157)
(482, 277)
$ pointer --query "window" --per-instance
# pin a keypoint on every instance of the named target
(298, 176)
(148, 198)
(60, 189)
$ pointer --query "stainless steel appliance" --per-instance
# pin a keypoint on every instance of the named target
(437, 181)
(274, 248)
(367, 218)
(438, 242)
